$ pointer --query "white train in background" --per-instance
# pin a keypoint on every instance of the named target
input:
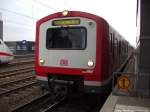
(6, 55)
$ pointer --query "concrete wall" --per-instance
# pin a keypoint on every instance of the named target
(143, 26)
(145, 19)
(144, 63)
(144, 35)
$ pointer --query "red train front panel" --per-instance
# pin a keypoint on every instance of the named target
(68, 48)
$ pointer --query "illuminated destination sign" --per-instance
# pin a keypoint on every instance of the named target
(62, 22)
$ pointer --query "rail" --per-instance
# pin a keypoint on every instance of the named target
(41, 104)
(16, 72)
(27, 55)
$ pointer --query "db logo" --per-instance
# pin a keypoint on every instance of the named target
(64, 62)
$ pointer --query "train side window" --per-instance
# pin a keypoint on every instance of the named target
(120, 47)
(127, 48)
(113, 45)
(111, 42)
(123, 47)
(116, 48)
(117, 45)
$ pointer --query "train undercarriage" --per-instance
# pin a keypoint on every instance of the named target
(66, 84)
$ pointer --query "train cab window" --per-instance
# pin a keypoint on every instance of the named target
(66, 38)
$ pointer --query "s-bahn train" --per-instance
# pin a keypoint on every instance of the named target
(77, 50)
(6, 55)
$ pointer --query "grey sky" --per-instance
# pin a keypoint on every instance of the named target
(19, 16)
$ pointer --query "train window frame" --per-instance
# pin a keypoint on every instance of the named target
(73, 27)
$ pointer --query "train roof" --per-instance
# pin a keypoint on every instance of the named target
(70, 14)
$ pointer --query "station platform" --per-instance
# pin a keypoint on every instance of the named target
(131, 100)
(126, 104)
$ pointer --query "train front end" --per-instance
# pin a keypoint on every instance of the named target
(68, 51)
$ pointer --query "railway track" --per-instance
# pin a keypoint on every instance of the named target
(16, 71)
(62, 103)
(78, 104)
(21, 96)
(15, 85)
(24, 56)
(18, 63)
(15, 93)
(42, 104)
(11, 81)
(11, 72)
(18, 85)
(15, 76)
(15, 67)
(20, 92)
(19, 89)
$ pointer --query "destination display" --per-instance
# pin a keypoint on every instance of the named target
(62, 22)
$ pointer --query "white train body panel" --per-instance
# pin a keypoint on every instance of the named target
(75, 58)
(5, 54)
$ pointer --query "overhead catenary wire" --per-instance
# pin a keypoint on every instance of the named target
(19, 24)
(17, 13)
(24, 15)
(27, 16)
(45, 5)
(66, 4)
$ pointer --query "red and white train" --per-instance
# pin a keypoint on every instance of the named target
(77, 49)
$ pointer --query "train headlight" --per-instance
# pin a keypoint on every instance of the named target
(65, 13)
(90, 63)
(41, 61)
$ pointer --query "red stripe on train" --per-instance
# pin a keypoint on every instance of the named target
(5, 54)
